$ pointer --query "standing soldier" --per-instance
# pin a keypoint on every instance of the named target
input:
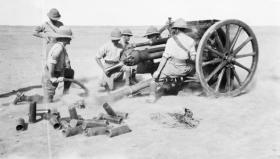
(177, 59)
(47, 28)
(58, 64)
(111, 53)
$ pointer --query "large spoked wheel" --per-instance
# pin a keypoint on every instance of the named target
(226, 63)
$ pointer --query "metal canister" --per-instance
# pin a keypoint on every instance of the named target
(32, 112)
(109, 109)
(72, 112)
(21, 125)
(96, 131)
(72, 131)
(119, 130)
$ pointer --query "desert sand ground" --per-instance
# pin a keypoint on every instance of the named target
(242, 127)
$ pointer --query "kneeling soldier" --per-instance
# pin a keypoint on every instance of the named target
(177, 59)
(58, 64)
(111, 53)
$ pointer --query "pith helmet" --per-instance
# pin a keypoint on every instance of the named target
(127, 32)
(151, 30)
(54, 14)
(62, 32)
(116, 34)
(180, 23)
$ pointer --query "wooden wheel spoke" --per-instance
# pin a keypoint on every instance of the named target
(218, 40)
(236, 76)
(214, 51)
(245, 55)
(228, 85)
(242, 66)
(242, 45)
(216, 60)
(219, 80)
(235, 38)
(227, 37)
(218, 68)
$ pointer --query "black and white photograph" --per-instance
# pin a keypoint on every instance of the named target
(139, 79)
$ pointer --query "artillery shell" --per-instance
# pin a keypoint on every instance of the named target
(32, 112)
(119, 130)
(96, 131)
(43, 110)
(64, 124)
(21, 125)
(94, 123)
(72, 131)
(122, 115)
(73, 112)
(54, 122)
(112, 119)
(75, 123)
(109, 109)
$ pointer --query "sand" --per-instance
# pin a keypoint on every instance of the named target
(246, 126)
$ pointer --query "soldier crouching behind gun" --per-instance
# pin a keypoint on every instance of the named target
(111, 53)
(177, 59)
(58, 64)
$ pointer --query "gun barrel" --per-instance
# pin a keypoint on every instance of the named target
(152, 43)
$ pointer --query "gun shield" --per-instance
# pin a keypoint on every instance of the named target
(94, 123)
(72, 131)
(119, 130)
(109, 109)
(96, 131)
(73, 112)
(32, 112)
(21, 125)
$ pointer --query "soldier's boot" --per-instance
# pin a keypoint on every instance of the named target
(152, 97)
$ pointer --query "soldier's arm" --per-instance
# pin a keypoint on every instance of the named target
(101, 54)
(52, 61)
(67, 61)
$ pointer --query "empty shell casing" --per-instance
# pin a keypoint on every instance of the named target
(72, 112)
(54, 122)
(72, 131)
(32, 112)
(21, 125)
(122, 115)
(96, 131)
(75, 123)
(109, 118)
(94, 123)
(64, 124)
(119, 130)
(109, 109)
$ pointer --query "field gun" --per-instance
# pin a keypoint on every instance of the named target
(226, 55)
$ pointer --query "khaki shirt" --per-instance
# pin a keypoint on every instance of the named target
(48, 27)
(110, 52)
(58, 56)
(173, 50)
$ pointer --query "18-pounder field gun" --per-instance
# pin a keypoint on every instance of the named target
(226, 59)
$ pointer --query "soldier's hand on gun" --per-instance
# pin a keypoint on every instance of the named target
(57, 80)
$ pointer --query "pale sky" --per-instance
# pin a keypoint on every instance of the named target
(138, 12)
